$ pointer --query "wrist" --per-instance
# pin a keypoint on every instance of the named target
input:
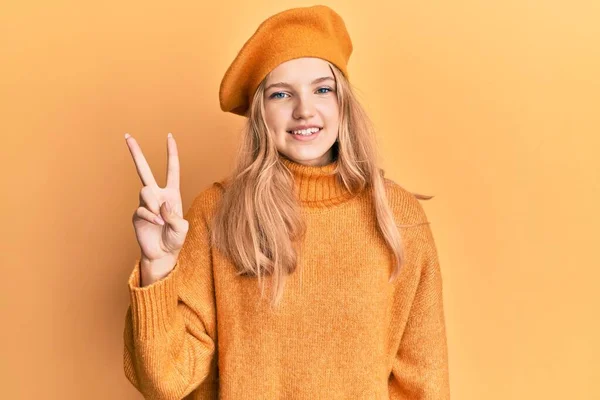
(154, 270)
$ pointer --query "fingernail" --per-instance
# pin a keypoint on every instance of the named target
(168, 207)
(159, 220)
(127, 136)
(170, 135)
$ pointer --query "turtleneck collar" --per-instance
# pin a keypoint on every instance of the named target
(317, 186)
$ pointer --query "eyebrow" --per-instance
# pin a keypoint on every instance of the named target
(284, 84)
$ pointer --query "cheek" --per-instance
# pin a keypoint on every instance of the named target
(275, 118)
(331, 113)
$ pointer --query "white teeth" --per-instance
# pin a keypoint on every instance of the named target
(306, 132)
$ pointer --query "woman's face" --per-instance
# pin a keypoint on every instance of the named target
(302, 93)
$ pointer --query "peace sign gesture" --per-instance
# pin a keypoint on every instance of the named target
(160, 230)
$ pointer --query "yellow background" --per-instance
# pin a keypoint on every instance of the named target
(491, 106)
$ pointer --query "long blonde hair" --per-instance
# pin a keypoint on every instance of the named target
(257, 224)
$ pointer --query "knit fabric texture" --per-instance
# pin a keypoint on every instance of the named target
(342, 330)
(315, 31)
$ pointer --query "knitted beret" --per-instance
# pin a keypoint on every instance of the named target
(315, 31)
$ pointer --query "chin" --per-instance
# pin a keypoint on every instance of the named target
(308, 157)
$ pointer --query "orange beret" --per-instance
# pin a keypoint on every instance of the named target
(315, 31)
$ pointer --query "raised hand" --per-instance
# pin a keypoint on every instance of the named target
(160, 230)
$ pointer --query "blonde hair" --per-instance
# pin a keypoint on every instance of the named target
(257, 224)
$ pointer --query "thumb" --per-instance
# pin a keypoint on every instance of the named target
(169, 215)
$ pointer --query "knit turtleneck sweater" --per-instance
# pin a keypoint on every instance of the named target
(316, 186)
(341, 331)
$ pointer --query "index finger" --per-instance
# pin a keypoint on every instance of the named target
(172, 163)
(140, 162)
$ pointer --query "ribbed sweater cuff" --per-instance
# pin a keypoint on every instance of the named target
(153, 307)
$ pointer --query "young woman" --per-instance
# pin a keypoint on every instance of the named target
(346, 255)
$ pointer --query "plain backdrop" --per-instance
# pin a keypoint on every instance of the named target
(492, 107)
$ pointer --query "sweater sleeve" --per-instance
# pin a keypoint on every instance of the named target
(420, 368)
(170, 325)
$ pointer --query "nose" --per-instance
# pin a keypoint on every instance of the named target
(304, 108)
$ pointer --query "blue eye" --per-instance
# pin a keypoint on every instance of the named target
(275, 94)
(328, 90)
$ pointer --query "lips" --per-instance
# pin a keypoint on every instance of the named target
(304, 127)
(320, 129)
(305, 138)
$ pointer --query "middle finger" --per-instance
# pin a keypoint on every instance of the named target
(140, 162)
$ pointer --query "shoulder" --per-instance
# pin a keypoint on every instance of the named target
(406, 207)
(204, 202)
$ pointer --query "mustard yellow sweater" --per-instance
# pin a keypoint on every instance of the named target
(342, 330)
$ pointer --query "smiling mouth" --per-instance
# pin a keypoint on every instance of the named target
(311, 132)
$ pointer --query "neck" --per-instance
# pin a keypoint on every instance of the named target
(317, 186)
